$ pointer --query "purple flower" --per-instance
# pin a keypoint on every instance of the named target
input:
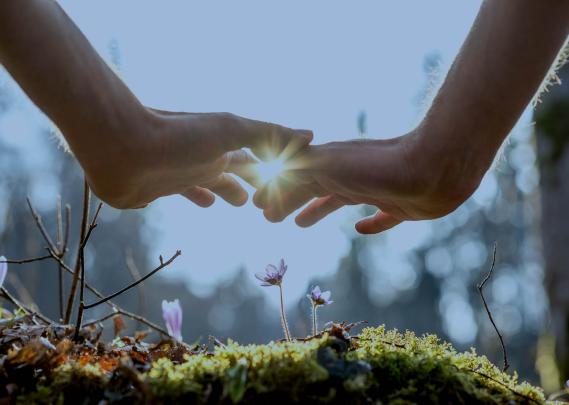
(3, 270)
(172, 314)
(273, 275)
(318, 297)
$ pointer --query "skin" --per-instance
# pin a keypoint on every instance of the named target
(131, 154)
(430, 171)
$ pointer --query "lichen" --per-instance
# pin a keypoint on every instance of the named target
(378, 366)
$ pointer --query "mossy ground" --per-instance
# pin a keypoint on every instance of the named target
(378, 366)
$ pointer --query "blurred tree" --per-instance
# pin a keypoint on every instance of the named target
(552, 129)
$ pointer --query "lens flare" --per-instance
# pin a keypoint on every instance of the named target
(270, 170)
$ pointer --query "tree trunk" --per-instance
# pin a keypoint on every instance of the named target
(552, 130)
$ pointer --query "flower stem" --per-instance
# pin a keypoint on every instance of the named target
(314, 321)
(283, 316)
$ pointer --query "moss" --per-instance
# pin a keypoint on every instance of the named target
(379, 366)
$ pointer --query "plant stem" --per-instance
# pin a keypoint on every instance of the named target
(134, 284)
(283, 316)
(314, 321)
(82, 233)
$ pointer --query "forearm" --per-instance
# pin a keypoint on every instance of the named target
(61, 72)
(506, 55)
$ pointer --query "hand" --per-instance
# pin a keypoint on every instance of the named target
(396, 175)
(163, 153)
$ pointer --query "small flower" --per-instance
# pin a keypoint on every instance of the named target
(318, 297)
(273, 275)
(3, 270)
(172, 314)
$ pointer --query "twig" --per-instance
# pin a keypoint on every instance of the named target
(480, 286)
(83, 231)
(100, 320)
(41, 227)
(24, 261)
(21, 306)
(92, 226)
(141, 319)
(63, 240)
(67, 226)
(115, 307)
(128, 287)
(513, 391)
(60, 280)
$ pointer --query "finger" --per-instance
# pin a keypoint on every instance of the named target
(377, 223)
(319, 209)
(290, 202)
(267, 140)
(229, 189)
(244, 165)
(199, 196)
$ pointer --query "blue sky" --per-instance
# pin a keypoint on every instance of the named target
(312, 65)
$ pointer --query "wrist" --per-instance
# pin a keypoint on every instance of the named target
(121, 157)
(449, 170)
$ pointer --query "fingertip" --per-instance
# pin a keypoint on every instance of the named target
(259, 199)
(273, 216)
(241, 200)
(301, 222)
(205, 203)
(308, 135)
(363, 227)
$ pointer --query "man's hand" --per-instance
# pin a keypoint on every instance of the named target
(389, 174)
(167, 153)
(431, 171)
(131, 154)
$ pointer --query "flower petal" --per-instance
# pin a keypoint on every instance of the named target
(3, 270)
(326, 295)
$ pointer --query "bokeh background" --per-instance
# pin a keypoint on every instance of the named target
(344, 70)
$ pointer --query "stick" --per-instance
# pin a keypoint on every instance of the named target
(21, 306)
(24, 261)
(83, 231)
(480, 286)
(41, 227)
(128, 287)
(111, 304)
(92, 226)
(62, 251)
(60, 285)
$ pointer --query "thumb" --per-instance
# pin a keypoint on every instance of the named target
(267, 140)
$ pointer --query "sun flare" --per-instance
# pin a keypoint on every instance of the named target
(270, 170)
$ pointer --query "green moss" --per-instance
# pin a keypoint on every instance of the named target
(379, 365)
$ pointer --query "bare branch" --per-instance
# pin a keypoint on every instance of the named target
(92, 226)
(67, 226)
(480, 287)
(100, 320)
(41, 227)
(21, 306)
(114, 307)
(128, 287)
(82, 233)
(24, 261)
(60, 280)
